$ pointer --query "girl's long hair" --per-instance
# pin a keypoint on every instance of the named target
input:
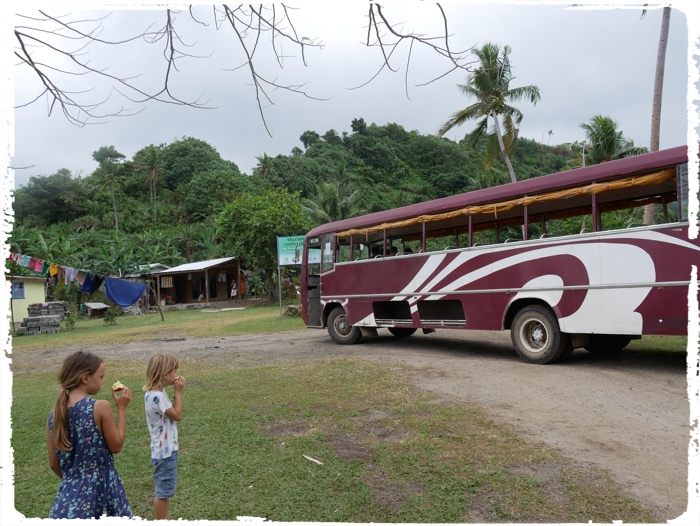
(158, 367)
(70, 377)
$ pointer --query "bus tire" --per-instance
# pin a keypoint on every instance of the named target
(536, 336)
(339, 328)
(401, 332)
(607, 343)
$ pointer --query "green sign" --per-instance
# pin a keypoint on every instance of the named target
(289, 250)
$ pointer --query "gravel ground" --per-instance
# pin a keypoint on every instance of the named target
(627, 414)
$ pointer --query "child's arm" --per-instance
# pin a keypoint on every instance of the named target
(54, 464)
(113, 433)
(175, 412)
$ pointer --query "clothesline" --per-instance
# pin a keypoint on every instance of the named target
(122, 292)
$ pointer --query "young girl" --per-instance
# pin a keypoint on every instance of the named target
(162, 417)
(81, 439)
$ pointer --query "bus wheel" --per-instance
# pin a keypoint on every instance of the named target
(536, 336)
(607, 343)
(339, 328)
(401, 332)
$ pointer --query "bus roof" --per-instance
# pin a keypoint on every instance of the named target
(611, 170)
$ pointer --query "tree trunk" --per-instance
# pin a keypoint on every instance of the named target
(153, 194)
(502, 146)
(657, 97)
(116, 216)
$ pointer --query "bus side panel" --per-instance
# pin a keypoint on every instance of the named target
(622, 282)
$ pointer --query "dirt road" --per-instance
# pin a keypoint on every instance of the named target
(627, 414)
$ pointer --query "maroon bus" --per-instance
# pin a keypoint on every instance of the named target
(558, 260)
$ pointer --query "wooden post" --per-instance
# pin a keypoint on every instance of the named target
(157, 295)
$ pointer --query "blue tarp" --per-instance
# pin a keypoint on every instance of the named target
(123, 293)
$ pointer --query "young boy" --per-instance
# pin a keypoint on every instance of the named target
(162, 417)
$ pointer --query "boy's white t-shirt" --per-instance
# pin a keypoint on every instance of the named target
(163, 430)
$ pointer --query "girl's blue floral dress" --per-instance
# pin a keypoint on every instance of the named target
(90, 487)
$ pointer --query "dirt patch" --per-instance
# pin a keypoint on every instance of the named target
(626, 414)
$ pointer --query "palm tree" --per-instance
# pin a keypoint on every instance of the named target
(490, 86)
(604, 142)
(149, 160)
(334, 200)
(265, 167)
(109, 171)
(657, 96)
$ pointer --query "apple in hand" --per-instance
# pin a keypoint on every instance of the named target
(117, 386)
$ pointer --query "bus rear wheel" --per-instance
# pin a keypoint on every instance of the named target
(401, 332)
(607, 343)
(339, 328)
(536, 336)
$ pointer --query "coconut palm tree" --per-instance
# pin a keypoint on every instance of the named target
(657, 96)
(490, 86)
(604, 142)
(150, 161)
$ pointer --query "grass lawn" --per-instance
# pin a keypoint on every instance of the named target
(387, 451)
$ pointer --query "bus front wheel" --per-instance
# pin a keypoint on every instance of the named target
(536, 336)
(339, 328)
(401, 332)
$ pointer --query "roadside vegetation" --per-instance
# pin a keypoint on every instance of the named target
(329, 440)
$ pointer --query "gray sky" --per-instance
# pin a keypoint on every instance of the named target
(585, 62)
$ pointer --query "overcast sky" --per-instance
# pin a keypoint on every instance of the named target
(585, 61)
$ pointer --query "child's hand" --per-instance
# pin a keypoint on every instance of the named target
(123, 398)
(179, 383)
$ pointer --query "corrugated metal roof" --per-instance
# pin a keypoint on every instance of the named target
(193, 267)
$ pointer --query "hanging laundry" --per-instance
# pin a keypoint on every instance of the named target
(45, 268)
(91, 284)
(53, 269)
(123, 293)
(26, 261)
(72, 274)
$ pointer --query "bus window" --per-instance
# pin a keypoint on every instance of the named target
(327, 252)
(683, 191)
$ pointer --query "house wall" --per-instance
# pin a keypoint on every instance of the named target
(34, 292)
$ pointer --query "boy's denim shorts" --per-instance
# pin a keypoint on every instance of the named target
(165, 476)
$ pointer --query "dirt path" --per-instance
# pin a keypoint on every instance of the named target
(627, 414)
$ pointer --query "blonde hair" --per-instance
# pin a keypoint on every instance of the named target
(70, 377)
(158, 367)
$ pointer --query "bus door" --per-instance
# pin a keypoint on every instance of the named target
(313, 282)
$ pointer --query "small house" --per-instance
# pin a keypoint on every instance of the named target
(200, 282)
(25, 291)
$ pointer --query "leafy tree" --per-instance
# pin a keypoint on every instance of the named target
(490, 86)
(185, 158)
(107, 153)
(206, 194)
(309, 138)
(49, 199)
(251, 224)
(359, 126)
(604, 142)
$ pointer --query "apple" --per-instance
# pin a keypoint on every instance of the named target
(117, 386)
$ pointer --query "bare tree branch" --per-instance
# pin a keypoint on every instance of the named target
(46, 42)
